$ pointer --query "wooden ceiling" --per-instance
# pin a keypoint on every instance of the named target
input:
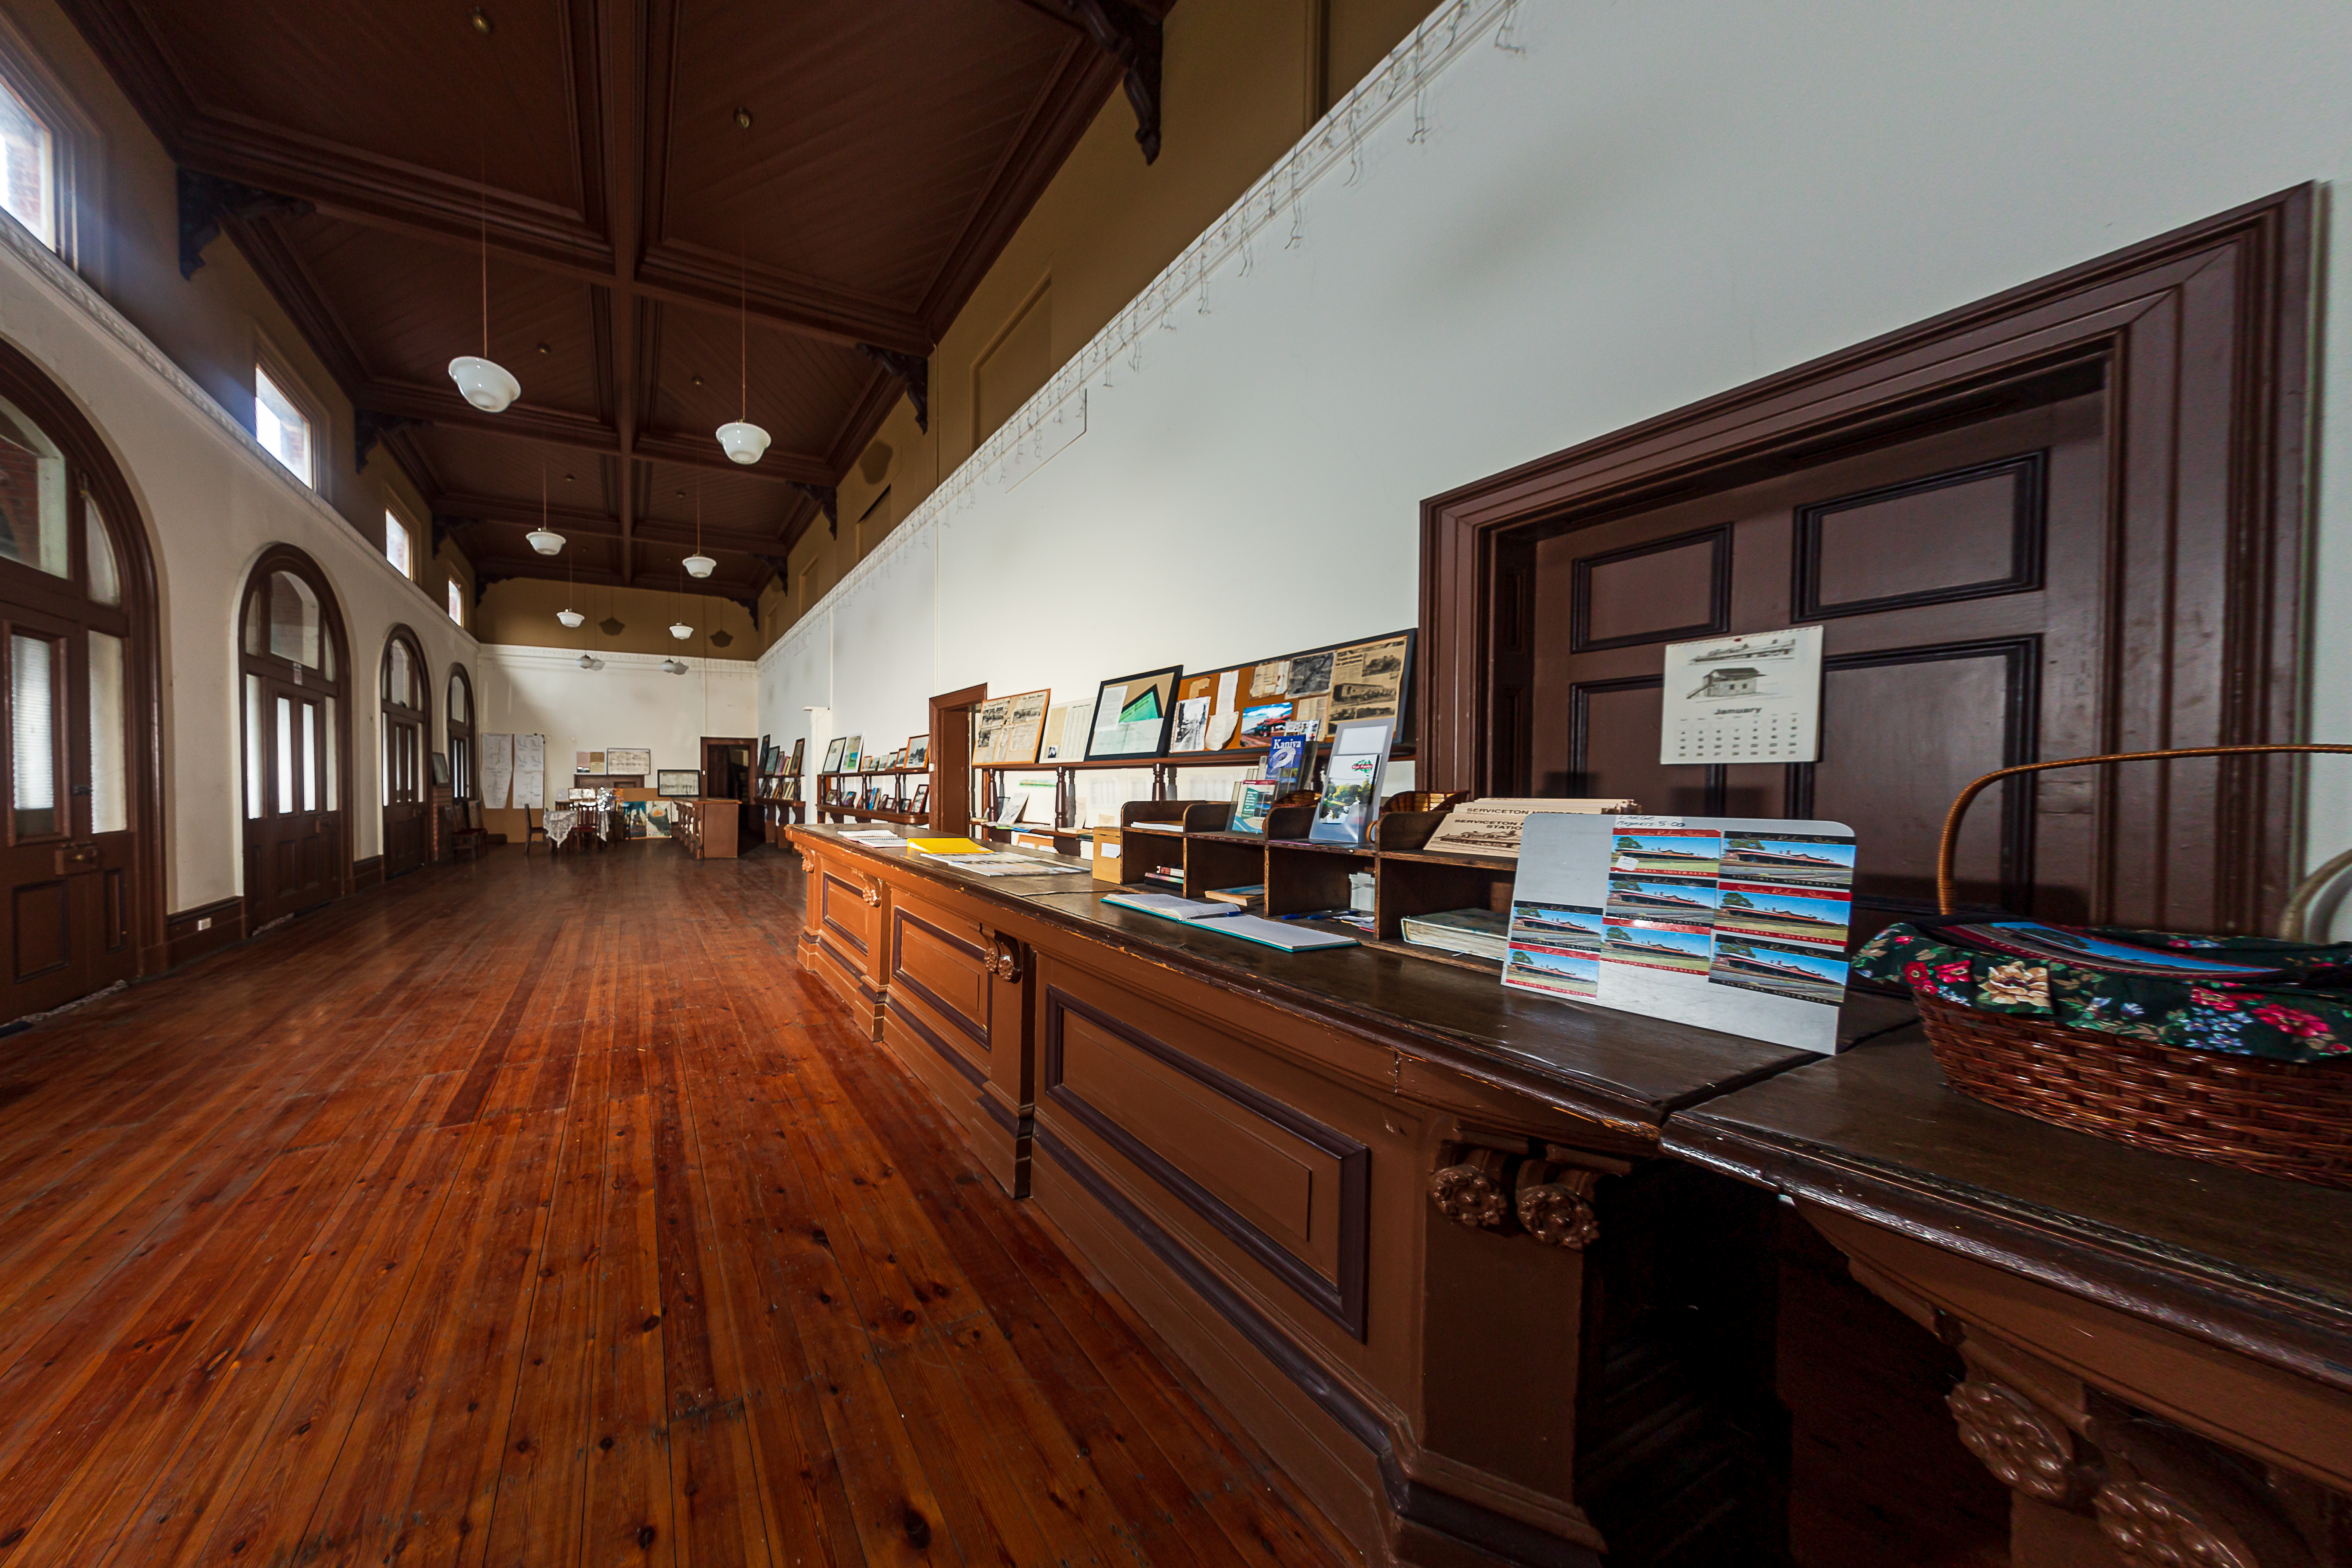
(637, 233)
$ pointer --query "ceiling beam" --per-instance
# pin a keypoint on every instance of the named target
(559, 427)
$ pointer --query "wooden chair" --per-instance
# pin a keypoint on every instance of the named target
(465, 836)
(535, 825)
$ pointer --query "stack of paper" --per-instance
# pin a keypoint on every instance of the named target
(1011, 866)
(1482, 934)
(1170, 907)
(1226, 921)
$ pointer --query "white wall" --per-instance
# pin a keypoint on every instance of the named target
(629, 702)
(211, 500)
(1649, 204)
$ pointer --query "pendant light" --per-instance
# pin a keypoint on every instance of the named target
(487, 385)
(568, 616)
(679, 629)
(544, 539)
(675, 667)
(741, 440)
(699, 564)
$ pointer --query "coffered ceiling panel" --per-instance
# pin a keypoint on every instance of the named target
(365, 153)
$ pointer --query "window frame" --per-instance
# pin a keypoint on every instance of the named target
(77, 152)
(394, 518)
(267, 361)
(454, 591)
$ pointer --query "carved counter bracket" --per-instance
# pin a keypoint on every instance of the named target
(1555, 1204)
(1474, 1189)
(1004, 958)
(2025, 1451)
(871, 892)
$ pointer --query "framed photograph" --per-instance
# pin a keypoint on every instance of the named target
(1022, 729)
(627, 760)
(918, 750)
(922, 797)
(440, 770)
(850, 755)
(1133, 715)
(800, 750)
(1351, 781)
(677, 784)
(833, 754)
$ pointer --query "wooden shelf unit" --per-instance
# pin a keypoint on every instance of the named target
(825, 810)
(1300, 876)
(780, 804)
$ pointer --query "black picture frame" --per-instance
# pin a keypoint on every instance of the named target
(1168, 679)
(440, 770)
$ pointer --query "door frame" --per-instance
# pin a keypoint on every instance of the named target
(2207, 517)
(296, 562)
(50, 406)
(401, 632)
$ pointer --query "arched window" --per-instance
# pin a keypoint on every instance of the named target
(407, 717)
(297, 751)
(81, 819)
(463, 785)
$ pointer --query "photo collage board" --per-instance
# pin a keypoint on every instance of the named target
(1730, 923)
(1245, 706)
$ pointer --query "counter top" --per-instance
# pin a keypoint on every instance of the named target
(2258, 1263)
(1622, 1069)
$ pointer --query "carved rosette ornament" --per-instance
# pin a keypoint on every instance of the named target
(872, 894)
(1556, 1205)
(2147, 1527)
(2024, 1450)
(1474, 1192)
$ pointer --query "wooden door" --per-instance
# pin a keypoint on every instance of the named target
(403, 794)
(67, 883)
(1957, 577)
(294, 837)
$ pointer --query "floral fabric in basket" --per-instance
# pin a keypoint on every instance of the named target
(2250, 997)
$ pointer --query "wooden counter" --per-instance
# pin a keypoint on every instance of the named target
(1243, 1140)
(2157, 1347)
(706, 828)
(1247, 1143)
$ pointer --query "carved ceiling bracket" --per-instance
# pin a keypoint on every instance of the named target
(205, 199)
(1131, 37)
(368, 427)
(482, 581)
(915, 370)
(828, 497)
(781, 565)
(443, 524)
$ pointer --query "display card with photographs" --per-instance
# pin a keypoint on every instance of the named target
(1244, 707)
(1133, 715)
(1023, 727)
(1731, 923)
(833, 750)
(850, 754)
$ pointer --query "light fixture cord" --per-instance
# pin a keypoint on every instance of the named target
(743, 326)
(485, 183)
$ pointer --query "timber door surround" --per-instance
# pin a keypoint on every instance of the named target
(2190, 355)
(82, 879)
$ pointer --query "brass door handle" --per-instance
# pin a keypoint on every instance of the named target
(77, 857)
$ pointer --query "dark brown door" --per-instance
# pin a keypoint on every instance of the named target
(403, 794)
(1957, 577)
(295, 844)
(68, 883)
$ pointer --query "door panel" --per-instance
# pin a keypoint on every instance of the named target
(294, 846)
(1956, 577)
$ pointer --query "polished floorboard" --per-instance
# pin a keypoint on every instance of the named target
(534, 1213)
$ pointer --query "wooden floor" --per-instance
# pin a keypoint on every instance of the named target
(524, 1213)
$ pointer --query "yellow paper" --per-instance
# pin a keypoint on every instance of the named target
(946, 847)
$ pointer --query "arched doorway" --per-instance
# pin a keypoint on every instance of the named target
(82, 841)
(464, 784)
(407, 703)
(291, 654)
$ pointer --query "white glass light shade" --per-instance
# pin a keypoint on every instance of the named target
(742, 442)
(675, 666)
(700, 565)
(681, 630)
(570, 617)
(546, 541)
(486, 385)
(587, 661)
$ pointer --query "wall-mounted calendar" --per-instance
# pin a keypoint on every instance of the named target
(1756, 698)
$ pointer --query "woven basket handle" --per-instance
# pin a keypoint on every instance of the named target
(1948, 848)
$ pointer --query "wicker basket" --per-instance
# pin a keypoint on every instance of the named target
(2282, 1119)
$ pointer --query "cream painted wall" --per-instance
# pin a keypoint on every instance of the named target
(211, 500)
(629, 702)
(1645, 205)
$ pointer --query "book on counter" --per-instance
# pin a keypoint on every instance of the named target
(1480, 934)
(946, 847)
(1244, 896)
(1226, 921)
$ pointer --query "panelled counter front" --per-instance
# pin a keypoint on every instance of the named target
(1442, 1248)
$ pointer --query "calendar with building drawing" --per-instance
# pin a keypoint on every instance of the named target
(1750, 698)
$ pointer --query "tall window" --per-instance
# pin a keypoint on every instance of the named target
(399, 545)
(461, 735)
(28, 185)
(457, 602)
(282, 427)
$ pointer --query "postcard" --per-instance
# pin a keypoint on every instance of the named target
(1258, 724)
(1191, 732)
